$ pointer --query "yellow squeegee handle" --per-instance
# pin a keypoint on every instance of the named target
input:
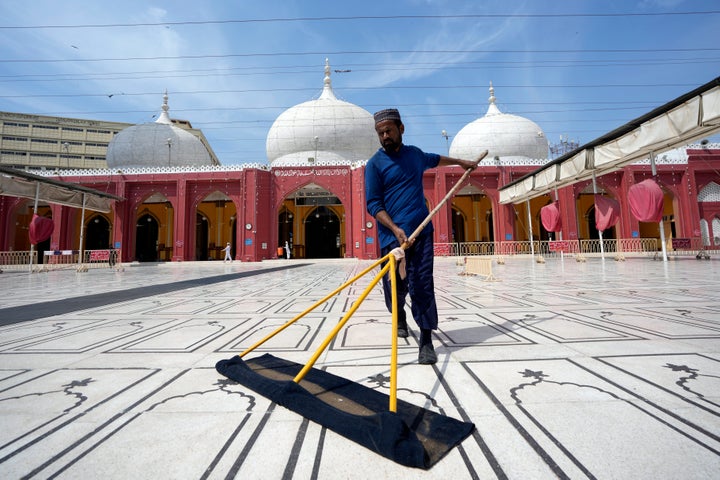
(394, 341)
(344, 320)
(311, 308)
(390, 266)
(449, 194)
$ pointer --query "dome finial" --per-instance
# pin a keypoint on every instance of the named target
(327, 83)
(164, 116)
(492, 109)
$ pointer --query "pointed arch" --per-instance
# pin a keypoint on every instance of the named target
(322, 233)
(457, 225)
(98, 232)
(153, 228)
(146, 237)
(312, 220)
(475, 207)
(215, 216)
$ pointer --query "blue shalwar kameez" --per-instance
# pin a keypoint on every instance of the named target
(394, 183)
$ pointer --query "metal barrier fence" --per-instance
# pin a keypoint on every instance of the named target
(690, 246)
(106, 258)
(622, 245)
(18, 261)
(109, 258)
(475, 248)
(58, 260)
(480, 265)
(556, 248)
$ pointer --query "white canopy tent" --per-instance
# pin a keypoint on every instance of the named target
(19, 183)
(689, 117)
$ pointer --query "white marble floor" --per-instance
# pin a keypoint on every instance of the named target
(590, 370)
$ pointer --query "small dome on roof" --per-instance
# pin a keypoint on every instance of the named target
(502, 134)
(326, 129)
(156, 144)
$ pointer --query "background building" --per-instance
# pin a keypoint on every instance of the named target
(58, 143)
(180, 204)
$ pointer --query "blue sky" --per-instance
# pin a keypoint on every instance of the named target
(576, 68)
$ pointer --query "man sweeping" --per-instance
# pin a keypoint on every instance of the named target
(394, 196)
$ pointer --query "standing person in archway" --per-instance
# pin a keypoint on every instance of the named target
(395, 197)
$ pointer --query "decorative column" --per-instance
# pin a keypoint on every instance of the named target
(120, 222)
(180, 228)
(248, 217)
(441, 222)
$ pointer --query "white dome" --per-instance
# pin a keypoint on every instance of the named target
(156, 144)
(502, 134)
(326, 129)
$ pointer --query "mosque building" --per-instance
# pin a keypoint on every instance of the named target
(180, 204)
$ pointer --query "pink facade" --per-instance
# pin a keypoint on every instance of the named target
(195, 213)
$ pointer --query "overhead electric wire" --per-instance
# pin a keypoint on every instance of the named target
(310, 70)
(356, 52)
(314, 89)
(638, 104)
(365, 17)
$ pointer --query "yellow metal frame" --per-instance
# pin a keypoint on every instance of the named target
(391, 267)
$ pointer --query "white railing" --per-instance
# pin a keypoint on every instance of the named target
(58, 260)
(20, 260)
(556, 248)
(633, 245)
(621, 245)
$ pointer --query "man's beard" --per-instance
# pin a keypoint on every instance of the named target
(390, 144)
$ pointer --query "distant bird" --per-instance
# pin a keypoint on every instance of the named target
(111, 95)
(73, 46)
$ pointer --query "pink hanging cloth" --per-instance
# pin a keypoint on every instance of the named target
(41, 228)
(607, 212)
(550, 216)
(646, 201)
